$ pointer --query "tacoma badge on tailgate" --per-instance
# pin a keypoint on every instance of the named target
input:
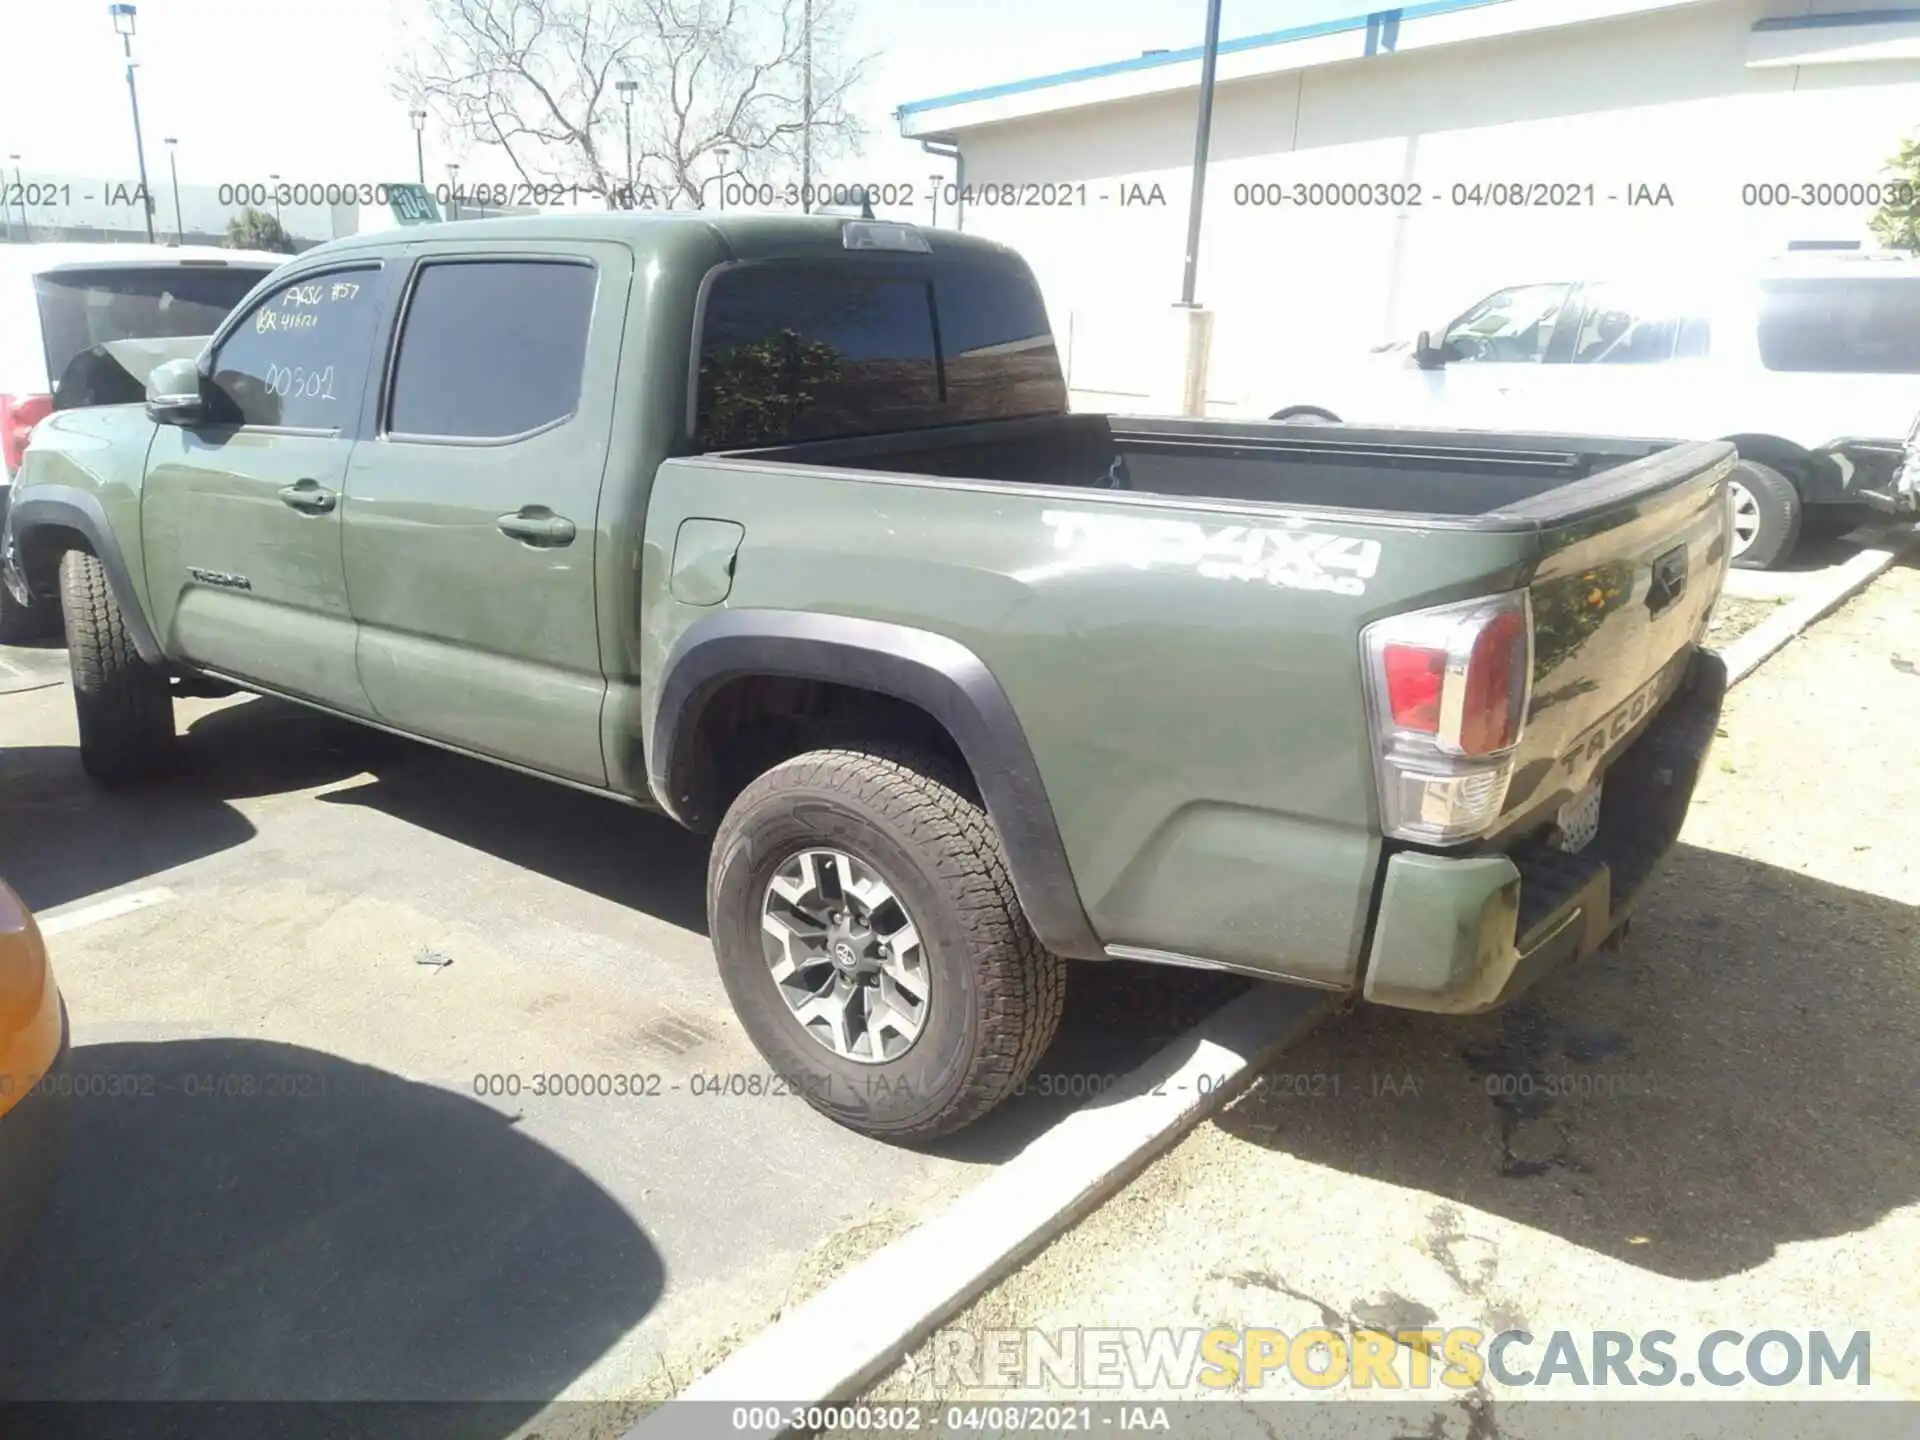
(1595, 743)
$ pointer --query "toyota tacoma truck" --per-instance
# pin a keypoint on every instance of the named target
(782, 526)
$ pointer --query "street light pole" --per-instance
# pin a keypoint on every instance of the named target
(627, 89)
(275, 178)
(173, 168)
(806, 107)
(1202, 138)
(20, 189)
(122, 16)
(724, 154)
(419, 118)
(453, 189)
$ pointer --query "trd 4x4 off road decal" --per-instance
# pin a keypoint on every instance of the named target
(1300, 559)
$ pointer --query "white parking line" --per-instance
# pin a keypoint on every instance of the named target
(104, 910)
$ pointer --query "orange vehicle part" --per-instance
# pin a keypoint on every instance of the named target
(30, 1021)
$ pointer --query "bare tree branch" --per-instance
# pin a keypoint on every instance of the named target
(534, 79)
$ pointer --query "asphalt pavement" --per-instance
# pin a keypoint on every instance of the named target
(314, 1159)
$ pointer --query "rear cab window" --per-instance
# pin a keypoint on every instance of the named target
(822, 349)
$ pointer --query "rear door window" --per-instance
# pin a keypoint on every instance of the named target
(800, 351)
(83, 308)
(1847, 325)
(492, 349)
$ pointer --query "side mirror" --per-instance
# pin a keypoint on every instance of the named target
(174, 393)
(1424, 353)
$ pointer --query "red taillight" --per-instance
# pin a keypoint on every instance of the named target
(18, 416)
(1416, 676)
(1496, 685)
(1449, 688)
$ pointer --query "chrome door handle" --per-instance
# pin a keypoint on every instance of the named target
(537, 525)
(310, 496)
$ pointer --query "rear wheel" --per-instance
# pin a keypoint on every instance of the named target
(870, 940)
(123, 704)
(1766, 515)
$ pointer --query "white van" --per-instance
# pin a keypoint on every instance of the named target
(1810, 365)
(58, 302)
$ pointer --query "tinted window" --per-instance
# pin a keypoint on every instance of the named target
(1508, 327)
(300, 357)
(805, 352)
(997, 346)
(789, 353)
(83, 308)
(491, 349)
(1619, 328)
(1849, 325)
(1695, 334)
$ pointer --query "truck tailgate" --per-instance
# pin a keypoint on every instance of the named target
(1631, 563)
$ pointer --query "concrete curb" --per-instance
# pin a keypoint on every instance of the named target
(1751, 650)
(833, 1346)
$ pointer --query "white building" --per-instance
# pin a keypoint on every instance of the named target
(1365, 171)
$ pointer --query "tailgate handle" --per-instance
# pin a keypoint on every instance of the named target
(1669, 579)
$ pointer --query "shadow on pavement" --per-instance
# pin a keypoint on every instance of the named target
(1738, 1079)
(62, 838)
(636, 859)
(1120, 1016)
(246, 1220)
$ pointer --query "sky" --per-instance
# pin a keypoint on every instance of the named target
(299, 88)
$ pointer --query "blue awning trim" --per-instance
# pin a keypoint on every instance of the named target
(1382, 26)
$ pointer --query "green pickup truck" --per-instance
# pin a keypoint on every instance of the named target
(782, 526)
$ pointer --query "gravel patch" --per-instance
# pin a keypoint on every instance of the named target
(1733, 617)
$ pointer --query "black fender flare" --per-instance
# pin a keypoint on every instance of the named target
(64, 507)
(940, 676)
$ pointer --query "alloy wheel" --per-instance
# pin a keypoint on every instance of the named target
(845, 956)
(1746, 517)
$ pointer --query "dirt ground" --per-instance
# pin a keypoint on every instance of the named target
(1734, 616)
(1715, 1128)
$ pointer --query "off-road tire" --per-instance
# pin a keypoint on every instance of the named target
(123, 704)
(1780, 514)
(997, 993)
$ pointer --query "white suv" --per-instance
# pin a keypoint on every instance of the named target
(63, 304)
(1811, 366)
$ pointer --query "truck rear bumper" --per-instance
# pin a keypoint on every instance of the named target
(1462, 934)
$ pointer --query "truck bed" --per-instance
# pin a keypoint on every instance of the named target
(1382, 472)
